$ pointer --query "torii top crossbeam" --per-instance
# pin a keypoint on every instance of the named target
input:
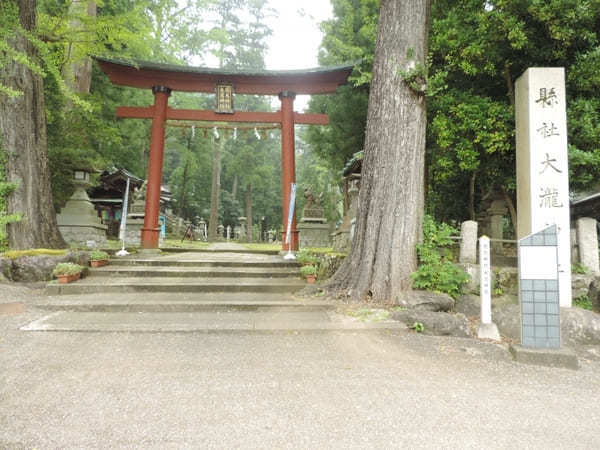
(145, 74)
(164, 78)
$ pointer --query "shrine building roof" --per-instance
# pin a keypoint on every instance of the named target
(146, 74)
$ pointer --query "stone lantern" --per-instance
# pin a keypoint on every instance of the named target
(78, 220)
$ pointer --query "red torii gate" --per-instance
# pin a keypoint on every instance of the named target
(164, 78)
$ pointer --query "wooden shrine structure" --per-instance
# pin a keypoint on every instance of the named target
(165, 78)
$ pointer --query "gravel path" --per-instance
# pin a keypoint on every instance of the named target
(299, 390)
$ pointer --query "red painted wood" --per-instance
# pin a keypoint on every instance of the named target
(257, 84)
(151, 230)
(288, 162)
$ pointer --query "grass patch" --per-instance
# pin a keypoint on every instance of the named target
(583, 302)
(13, 254)
(176, 243)
(261, 246)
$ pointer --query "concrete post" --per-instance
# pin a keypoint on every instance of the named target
(468, 242)
(487, 328)
(587, 243)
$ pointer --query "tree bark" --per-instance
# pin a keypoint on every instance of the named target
(215, 191)
(391, 200)
(24, 142)
(234, 188)
(80, 77)
(249, 211)
(183, 186)
(511, 209)
(472, 196)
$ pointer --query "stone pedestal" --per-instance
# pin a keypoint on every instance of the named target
(313, 234)
(78, 221)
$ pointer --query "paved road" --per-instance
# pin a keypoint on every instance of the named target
(375, 389)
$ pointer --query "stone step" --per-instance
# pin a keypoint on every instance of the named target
(205, 322)
(202, 263)
(247, 251)
(181, 302)
(175, 284)
(195, 272)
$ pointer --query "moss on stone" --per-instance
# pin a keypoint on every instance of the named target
(14, 254)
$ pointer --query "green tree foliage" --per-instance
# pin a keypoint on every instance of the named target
(349, 36)
(477, 50)
(482, 47)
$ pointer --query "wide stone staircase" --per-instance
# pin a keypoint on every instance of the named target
(220, 290)
(191, 272)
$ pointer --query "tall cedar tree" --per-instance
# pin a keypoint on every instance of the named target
(389, 222)
(24, 142)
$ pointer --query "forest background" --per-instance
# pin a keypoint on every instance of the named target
(477, 50)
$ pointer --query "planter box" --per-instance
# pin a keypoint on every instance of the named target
(310, 279)
(63, 279)
(99, 263)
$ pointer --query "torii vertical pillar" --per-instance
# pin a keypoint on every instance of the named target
(151, 230)
(288, 162)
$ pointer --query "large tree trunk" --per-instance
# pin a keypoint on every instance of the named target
(183, 187)
(215, 192)
(249, 211)
(391, 200)
(234, 188)
(24, 142)
(79, 78)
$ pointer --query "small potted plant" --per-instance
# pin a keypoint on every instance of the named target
(98, 258)
(67, 272)
(310, 273)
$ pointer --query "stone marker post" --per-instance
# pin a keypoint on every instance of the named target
(542, 163)
(468, 242)
(487, 329)
(587, 243)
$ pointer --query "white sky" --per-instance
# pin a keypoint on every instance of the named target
(296, 37)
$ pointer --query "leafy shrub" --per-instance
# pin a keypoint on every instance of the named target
(436, 272)
(583, 302)
(304, 256)
(579, 268)
(308, 270)
(67, 269)
(98, 255)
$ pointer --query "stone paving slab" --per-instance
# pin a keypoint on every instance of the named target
(220, 256)
(229, 321)
(197, 262)
(181, 302)
(187, 271)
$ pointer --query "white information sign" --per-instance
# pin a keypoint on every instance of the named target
(542, 163)
(485, 280)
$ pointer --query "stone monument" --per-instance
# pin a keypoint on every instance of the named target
(243, 232)
(78, 220)
(542, 163)
(313, 227)
(342, 238)
(135, 216)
